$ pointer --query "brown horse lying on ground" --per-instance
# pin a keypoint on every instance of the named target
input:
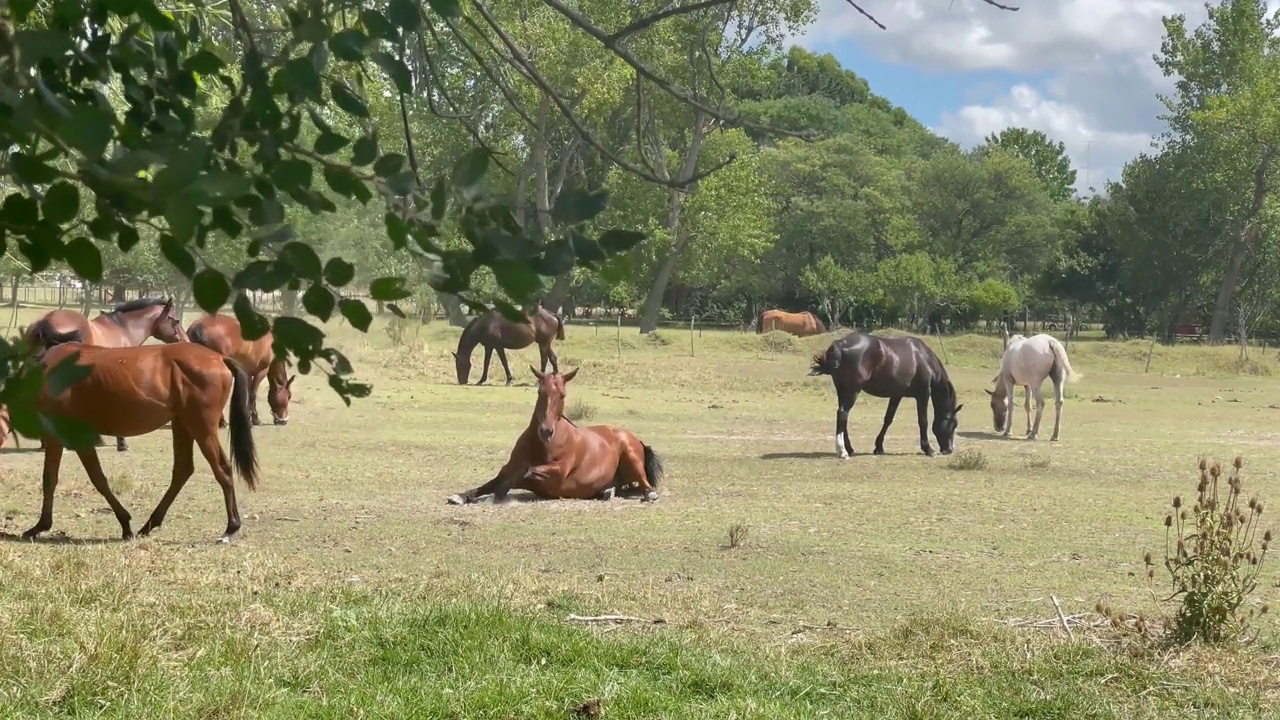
(128, 325)
(801, 324)
(555, 459)
(496, 332)
(221, 333)
(135, 391)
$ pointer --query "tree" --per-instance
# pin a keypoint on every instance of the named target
(1048, 159)
(1227, 101)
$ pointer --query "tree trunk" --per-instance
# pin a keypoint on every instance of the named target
(1245, 238)
(676, 231)
(453, 309)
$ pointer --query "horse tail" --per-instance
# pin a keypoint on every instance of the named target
(243, 452)
(42, 335)
(198, 335)
(760, 324)
(827, 362)
(652, 466)
(1060, 357)
(559, 327)
(817, 321)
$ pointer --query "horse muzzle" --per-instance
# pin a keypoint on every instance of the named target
(280, 421)
(545, 433)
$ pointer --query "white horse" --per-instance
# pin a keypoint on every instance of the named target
(1027, 362)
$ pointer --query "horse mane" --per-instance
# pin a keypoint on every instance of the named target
(133, 306)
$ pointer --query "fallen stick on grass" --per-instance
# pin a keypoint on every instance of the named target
(610, 618)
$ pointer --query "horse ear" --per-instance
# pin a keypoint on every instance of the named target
(536, 374)
(454, 354)
(289, 383)
(571, 374)
(989, 392)
(958, 409)
(168, 306)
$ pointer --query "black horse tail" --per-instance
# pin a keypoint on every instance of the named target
(827, 362)
(652, 466)
(196, 334)
(43, 335)
(559, 326)
(243, 452)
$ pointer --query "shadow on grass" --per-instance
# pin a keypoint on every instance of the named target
(58, 540)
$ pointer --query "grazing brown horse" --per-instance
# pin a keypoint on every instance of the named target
(221, 333)
(137, 390)
(129, 324)
(891, 368)
(496, 332)
(801, 324)
(555, 459)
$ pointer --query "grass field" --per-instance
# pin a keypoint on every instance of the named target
(875, 587)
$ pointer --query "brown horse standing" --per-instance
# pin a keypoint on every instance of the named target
(137, 390)
(496, 332)
(221, 333)
(128, 325)
(555, 459)
(801, 324)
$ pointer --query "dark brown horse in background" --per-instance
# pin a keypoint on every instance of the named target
(496, 332)
(137, 390)
(129, 324)
(801, 324)
(891, 368)
(221, 333)
(555, 459)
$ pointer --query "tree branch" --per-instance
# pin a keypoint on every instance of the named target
(881, 25)
(650, 20)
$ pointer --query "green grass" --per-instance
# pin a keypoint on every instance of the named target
(353, 582)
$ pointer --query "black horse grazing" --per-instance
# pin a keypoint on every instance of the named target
(891, 368)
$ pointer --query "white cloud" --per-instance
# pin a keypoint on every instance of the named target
(1089, 78)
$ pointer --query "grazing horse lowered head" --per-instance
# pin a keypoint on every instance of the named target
(893, 368)
(1027, 362)
(221, 333)
(493, 330)
(555, 459)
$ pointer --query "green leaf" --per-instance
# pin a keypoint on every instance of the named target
(388, 165)
(587, 250)
(298, 334)
(558, 258)
(339, 272)
(30, 170)
(378, 26)
(517, 279)
(89, 129)
(260, 275)
(348, 45)
(61, 203)
(439, 198)
(127, 238)
(343, 181)
(578, 206)
(329, 143)
(396, 70)
(292, 173)
(60, 377)
(252, 323)
(211, 289)
(469, 169)
(176, 253)
(404, 14)
(446, 8)
(83, 257)
(266, 211)
(204, 62)
(348, 101)
(388, 289)
(402, 183)
(364, 151)
(319, 301)
(616, 240)
(356, 313)
(395, 310)
(509, 311)
(71, 434)
(218, 187)
(302, 258)
(303, 77)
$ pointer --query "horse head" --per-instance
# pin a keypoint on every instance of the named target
(550, 406)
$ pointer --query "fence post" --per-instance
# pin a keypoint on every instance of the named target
(619, 335)
(691, 319)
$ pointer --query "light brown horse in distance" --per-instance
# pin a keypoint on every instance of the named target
(138, 390)
(129, 324)
(493, 330)
(555, 459)
(221, 333)
(801, 324)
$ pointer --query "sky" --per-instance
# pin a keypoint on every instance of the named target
(1079, 70)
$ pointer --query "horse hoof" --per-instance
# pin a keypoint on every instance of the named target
(456, 500)
(878, 451)
(842, 455)
(651, 496)
(606, 494)
(223, 540)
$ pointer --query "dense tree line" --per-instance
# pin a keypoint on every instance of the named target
(670, 158)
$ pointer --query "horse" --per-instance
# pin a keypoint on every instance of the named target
(137, 390)
(493, 330)
(801, 324)
(129, 324)
(555, 459)
(891, 368)
(221, 333)
(1027, 362)
(6, 429)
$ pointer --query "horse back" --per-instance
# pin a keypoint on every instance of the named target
(222, 334)
(57, 322)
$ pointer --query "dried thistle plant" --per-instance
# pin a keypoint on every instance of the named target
(1214, 552)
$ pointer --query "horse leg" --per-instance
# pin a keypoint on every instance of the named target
(1039, 413)
(888, 420)
(502, 355)
(538, 474)
(845, 400)
(631, 470)
(922, 414)
(506, 474)
(555, 361)
(121, 444)
(184, 466)
(89, 458)
(1011, 403)
(253, 397)
(484, 375)
(52, 461)
(1057, 406)
(221, 466)
(1026, 404)
(542, 359)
